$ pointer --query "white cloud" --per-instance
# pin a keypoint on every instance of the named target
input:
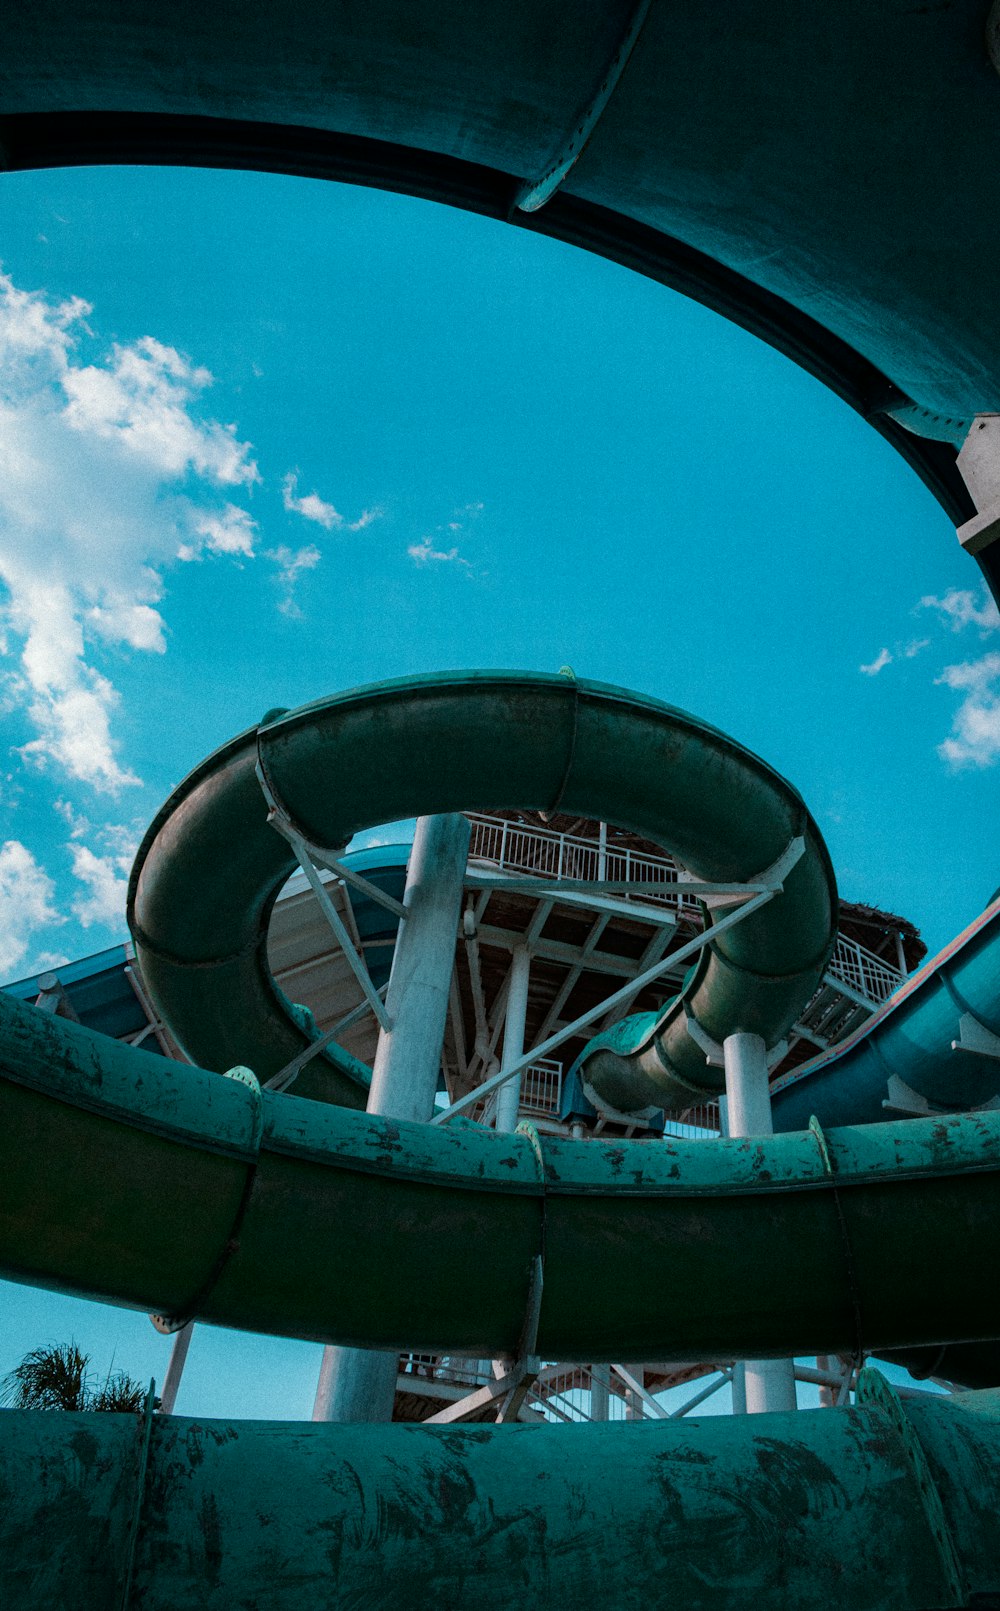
(313, 507)
(105, 880)
(140, 400)
(426, 554)
(227, 531)
(74, 730)
(960, 608)
(26, 893)
(914, 647)
(882, 659)
(107, 474)
(291, 562)
(975, 739)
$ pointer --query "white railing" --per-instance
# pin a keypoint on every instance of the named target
(695, 1124)
(866, 973)
(541, 1086)
(542, 853)
(541, 1092)
(454, 1370)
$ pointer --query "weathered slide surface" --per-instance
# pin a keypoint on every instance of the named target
(163, 1186)
(880, 1507)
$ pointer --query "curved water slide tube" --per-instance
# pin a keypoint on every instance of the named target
(211, 865)
(166, 1187)
(934, 1045)
(880, 1507)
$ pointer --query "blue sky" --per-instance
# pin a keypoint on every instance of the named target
(262, 439)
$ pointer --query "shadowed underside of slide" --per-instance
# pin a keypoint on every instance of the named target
(824, 175)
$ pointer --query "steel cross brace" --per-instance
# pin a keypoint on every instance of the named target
(769, 884)
(511, 1380)
(307, 854)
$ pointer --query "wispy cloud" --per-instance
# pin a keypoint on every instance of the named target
(974, 740)
(230, 530)
(291, 562)
(108, 473)
(313, 507)
(975, 735)
(433, 550)
(882, 659)
(425, 553)
(960, 608)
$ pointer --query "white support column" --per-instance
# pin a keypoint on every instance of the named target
(175, 1369)
(509, 1095)
(600, 1392)
(739, 1388)
(359, 1384)
(769, 1384)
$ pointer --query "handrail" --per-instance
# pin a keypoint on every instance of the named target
(546, 853)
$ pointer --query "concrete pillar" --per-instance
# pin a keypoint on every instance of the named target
(359, 1384)
(769, 1384)
(739, 1386)
(509, 1095)
(408, 1057)
(600, 1392)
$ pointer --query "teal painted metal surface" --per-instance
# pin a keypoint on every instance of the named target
(210, 866)
(882, 1507)
(167, 1188)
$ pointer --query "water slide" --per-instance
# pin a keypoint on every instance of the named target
(211, 864)
(167, 1187)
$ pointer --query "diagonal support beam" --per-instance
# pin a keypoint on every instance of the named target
(302, 849)
(576, 969)
(568, 1031)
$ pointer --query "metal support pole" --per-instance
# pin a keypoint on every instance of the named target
(359, 1384)
(509, 1095)
(739, 1386)
(769, 1384)
(175, 1369)
(600, 1392)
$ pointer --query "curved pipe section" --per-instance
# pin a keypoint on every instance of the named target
(210, 866)
(911, 1039)
(887, 1504)
(166, 1187)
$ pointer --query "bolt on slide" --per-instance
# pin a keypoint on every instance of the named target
(197, 1192)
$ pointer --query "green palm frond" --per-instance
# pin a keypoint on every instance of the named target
(120, 1394)
(49, 1378)
(57, 1377)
